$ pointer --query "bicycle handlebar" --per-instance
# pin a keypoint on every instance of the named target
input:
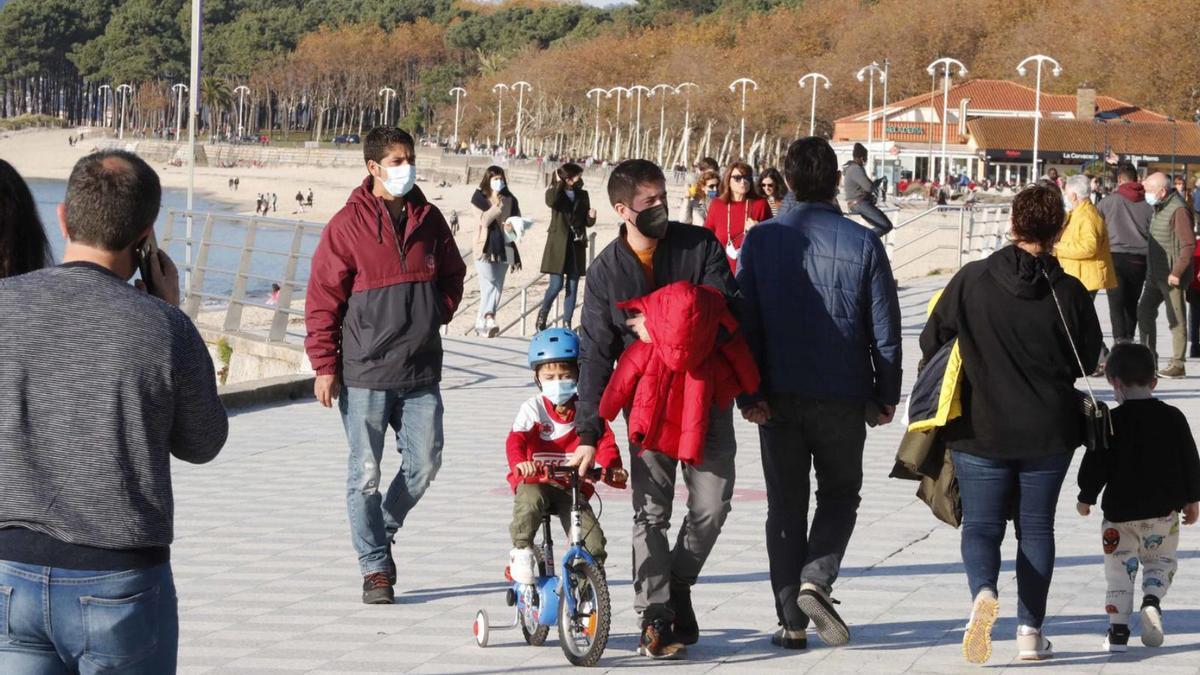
(596, 474)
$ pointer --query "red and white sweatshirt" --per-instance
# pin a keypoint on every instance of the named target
(540, 435)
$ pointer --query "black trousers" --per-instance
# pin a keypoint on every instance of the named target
(1123, 300)
(803, 435)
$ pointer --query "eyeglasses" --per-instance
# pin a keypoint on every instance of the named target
(739, 177)
(768, 185)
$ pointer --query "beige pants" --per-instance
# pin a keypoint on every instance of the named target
(1150, 543)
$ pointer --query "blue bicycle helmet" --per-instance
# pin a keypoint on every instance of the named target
(552, 345)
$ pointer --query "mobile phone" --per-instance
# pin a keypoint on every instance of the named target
(145, 252)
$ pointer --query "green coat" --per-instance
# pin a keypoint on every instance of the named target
(567, 235)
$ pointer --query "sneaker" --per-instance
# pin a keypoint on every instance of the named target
(658, 642)
(977, 640)
(490, 326)
(1032, 645)
(1174, 371)
(1117, 640)
(685, 626)
(1152, 622)
(816, 604)
(377, 590)
(790, 638)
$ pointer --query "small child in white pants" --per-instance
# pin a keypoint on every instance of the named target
(1149, 473)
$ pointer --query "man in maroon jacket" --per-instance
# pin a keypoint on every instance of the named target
(385, 277)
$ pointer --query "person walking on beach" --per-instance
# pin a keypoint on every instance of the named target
(386, 276)
(564, 257)
(23, 244)
(1168, 269)
(309, 202)
(649, 253)
(823, 382)
(108, 384)
(1127, 217)
(299, 201)
(1020, 421)
(274, 202)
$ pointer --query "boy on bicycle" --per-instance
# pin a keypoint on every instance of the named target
(544, 434)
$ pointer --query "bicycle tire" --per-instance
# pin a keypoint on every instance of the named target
(536, 637)
(585, 654)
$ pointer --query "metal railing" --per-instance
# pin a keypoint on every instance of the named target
(237, 259)
(979, 231)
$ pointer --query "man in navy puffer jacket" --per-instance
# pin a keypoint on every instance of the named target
(822, 318)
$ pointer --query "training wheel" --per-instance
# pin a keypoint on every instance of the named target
(480, 628)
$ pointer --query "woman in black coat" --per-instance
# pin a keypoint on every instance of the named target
(23, 244)
(566, 241)
(1021, 420)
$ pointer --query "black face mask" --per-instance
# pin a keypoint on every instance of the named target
(652, 222)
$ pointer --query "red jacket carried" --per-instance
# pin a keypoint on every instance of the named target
(675, 381)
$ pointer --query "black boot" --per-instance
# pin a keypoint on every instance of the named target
(540, 324)
(687, 630)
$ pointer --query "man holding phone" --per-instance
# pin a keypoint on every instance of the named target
(105, 384)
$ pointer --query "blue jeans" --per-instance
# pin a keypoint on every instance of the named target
(990, 490)
(57, 621)
(552, 291)
(416, 417)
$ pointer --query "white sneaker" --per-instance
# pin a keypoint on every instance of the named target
(490, 326)
(1152, 626)
(1033, 645)
(977, 640)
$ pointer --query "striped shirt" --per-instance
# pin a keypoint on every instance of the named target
(103, 384)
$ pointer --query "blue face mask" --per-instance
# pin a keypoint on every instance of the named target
(1151, 199)
(712, 194)
(497, 184)
(559, 392)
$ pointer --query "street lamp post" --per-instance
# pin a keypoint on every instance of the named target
(105, 91)
(193, 119)
(241, 91)
(619, 91)
(745, 82)
(179, 89)
(662, 116)
(687, 115)
(1037, 109)
(499, 89)
(884, 78)
(598, 91)
(387, 93)
(1174, 136)
(124, 90)
(946, 62)
(521, 88)
(457, 93)
(636, 91)
(870, 72)
(812, 115)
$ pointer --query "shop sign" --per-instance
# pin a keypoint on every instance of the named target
(904, 130)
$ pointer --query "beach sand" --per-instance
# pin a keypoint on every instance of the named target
(46, 154)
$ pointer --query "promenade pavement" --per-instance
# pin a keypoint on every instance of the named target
(268, 581)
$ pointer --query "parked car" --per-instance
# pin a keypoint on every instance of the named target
(347, 139)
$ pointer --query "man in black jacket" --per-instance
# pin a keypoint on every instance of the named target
(650, 253)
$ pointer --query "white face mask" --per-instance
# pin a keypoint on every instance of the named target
(399, 179)
(497, 184)
(559, 392)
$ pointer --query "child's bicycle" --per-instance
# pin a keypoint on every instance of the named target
(577, 600)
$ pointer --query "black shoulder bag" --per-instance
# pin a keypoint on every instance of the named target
(1094, 414)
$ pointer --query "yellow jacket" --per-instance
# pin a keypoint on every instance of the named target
(1083, 250)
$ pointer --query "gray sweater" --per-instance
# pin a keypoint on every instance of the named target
(856, 185)
(1127, 221)
(103, 384)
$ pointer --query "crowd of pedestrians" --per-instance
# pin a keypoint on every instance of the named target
(777, 304)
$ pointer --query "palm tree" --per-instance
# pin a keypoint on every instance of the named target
(215, 98)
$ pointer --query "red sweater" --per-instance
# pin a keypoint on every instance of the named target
(728, 221)
(541, 436)
(672, 384)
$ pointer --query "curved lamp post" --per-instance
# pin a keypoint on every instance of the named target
(812, 115)
(598, 91)
(744, 82)
(499, 89)
(662, 116)
(124, 90)
(870, 72)
(946, 63)
(521, 88)
(387, 93)
(687, 87)
(1037, 106)
(619, 91)
(457, 93)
